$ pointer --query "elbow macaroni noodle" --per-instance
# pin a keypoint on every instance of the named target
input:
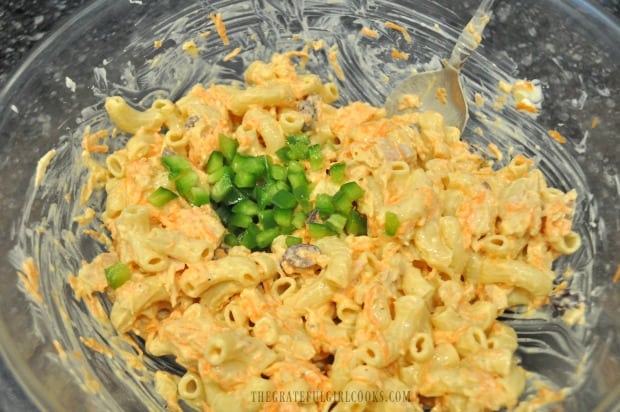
(416, 311)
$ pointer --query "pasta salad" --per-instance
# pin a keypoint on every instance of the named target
(275, 244)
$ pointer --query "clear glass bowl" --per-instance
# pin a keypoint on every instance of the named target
(107, 48)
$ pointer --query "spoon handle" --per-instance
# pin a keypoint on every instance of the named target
(471, 36)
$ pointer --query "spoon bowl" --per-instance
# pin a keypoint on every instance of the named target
(438, 90)
(441, 90)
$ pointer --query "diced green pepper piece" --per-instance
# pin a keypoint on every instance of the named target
(287, 230)
(224, 213)
(284, 200)
(228, 146)
(231, 240)
(298, 151)
(298, 146)
(198, 196)
(336, 171)
(297, 179)
(248, 237)
(244, 179)
(221, 188)
(117, 274)
(352, 190)
(296, 167)
(185, 182)
(283, 154)
(175, 164)
(392, 223)
(257, 165)
(250, 164)
(265, 193)
(277, 172)
(266, 237)
(246, 207)
(316, 157)
(302, 194)
(282, 185)
(337, 222)
(161, 196)
(346, 195)
(298, 138)
(240, 220)
(266, 219)
(324, 205)
(357, 224)
(320, 230)
(233, 197)
(283, 217)
(292, 240)
(299, 220)
(219, 173)
(341, 203)
(215, 162)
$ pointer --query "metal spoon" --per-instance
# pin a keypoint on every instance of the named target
(427, 85)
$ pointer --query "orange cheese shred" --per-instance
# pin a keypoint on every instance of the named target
(555, 135)
(397, 54)
(369, 32)
(525, 106)
(220, 27)
(232, 54)
(400, 29)
(616, 277)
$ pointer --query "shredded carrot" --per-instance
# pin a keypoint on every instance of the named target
(555, 135)
(333, 60)
(525, 106)
(397, 54)
(90, 142)
(616, 277)
(302, 54)
(369, 32)
(400, 29)
(220, 27)
(232, 54)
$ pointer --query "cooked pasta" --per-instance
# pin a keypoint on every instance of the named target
(380, 262)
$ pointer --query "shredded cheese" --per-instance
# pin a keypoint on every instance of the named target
(397, 54)
(232, 54)
(220, 27)
(555, 135)
(399, 28)
(616, 277)
(369, 32)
